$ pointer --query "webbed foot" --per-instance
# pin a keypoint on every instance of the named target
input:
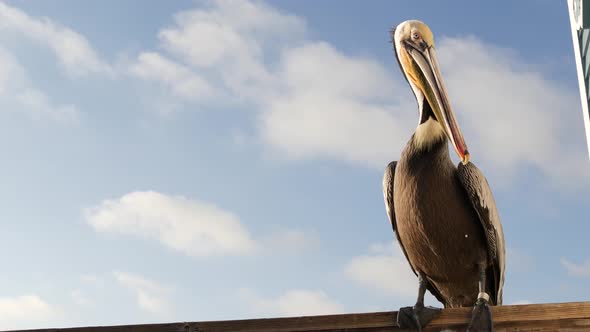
(481, 317)
(416, 317)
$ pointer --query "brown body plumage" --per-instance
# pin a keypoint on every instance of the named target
(437, 226)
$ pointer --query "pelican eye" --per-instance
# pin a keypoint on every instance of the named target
(415, 35)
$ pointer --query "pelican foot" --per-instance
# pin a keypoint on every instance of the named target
(481, 318)
(416, 317)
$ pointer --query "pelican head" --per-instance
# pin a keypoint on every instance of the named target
(414, 49)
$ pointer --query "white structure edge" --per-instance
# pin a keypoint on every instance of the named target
(580, 70)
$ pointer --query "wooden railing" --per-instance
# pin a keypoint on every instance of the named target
(574, 316)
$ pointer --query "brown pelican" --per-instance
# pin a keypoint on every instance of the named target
(444, 217)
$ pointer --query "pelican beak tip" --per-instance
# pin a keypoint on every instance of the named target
(465, 159)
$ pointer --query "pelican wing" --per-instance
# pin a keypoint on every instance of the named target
(388, 193)
(478, 191)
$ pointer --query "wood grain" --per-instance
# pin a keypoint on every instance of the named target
(573, 316)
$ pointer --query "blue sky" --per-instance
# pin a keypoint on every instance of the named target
(203, 160)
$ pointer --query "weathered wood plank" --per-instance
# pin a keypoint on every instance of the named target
(574, 316)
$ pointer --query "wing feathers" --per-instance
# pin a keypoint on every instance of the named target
(481, 198)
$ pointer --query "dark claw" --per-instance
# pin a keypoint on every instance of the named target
(416, 317)
(481, 318)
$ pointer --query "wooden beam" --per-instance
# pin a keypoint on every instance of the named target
(574, 316)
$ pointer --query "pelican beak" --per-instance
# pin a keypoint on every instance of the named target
(429, 80)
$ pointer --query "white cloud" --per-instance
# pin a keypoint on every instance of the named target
(11, 72)
(319, 68)
(384, 269)
(23, 311)
(512, 115)
(334, 106)
(192, 227)
(296, 302)
(73, 50)
(577, 270)
(315, 102)
(228, 42)
(331, 109)
(40, 107)
(180, 80)
(18, 93)
(291, 240)
(229, 32)
(150, 295)
(521, 302)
